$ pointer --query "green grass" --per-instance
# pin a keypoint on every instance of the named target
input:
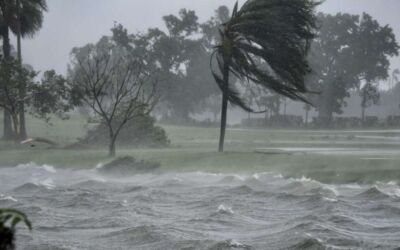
(194, 149)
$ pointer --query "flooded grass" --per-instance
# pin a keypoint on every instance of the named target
(194, 149)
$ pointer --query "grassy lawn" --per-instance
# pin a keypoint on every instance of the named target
(194, 149)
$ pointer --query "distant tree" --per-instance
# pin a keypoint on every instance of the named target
(49, 96)
(349, 50)
(307, 108)
(210, 29)
(11, 76)
(370, 95)
(182, 56)
(375, 45)
(277, 32)
(394, 78)
(213, 105)
(117, 87)
(271, 103)
(332, 61)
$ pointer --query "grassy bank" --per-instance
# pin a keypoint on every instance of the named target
(194, 149)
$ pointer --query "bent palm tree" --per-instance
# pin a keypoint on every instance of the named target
(266, 42)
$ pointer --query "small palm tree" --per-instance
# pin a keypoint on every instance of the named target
(266, 42)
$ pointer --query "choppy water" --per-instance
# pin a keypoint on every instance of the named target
(83, 210)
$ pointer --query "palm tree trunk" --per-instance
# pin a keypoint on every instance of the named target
(22, 88)
(8, 133)
(224, 109)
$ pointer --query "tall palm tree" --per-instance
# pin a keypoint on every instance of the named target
(5, 10)
(265, 42)
(29, 20)
(24, 18)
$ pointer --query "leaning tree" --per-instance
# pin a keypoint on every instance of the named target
(275, 32)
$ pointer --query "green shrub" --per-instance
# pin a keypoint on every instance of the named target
(140, 132)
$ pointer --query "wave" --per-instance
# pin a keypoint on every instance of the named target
(30, 165)
(7, 198)
(29, 188)
(230, 244)
(309, 243)
(225, 210)
(373, 193)
(136, 236)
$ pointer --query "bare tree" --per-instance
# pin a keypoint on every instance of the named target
(117, 87)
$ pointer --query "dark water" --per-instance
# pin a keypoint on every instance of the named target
(83, 210)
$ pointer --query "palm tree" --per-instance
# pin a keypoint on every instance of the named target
(29, 20)
(5, 8)
(276, 33)
(24, 18)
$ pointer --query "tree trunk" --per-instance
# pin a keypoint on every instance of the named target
(325, 113)
(306, 122)
(15, 125)
(8, 133)
(22, 87)
(112, 152)
(363, 108)
(224, 109)
(284, 107)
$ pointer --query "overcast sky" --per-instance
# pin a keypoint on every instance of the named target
(71, 23)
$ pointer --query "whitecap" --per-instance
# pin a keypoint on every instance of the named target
(99, 165)
(239, 177)
(225, 209)
(329, 199)
(235, 243)
(7, 198)
(49, 168)
(391, 188)
(27, 165)
(47, 183)
(332, 189)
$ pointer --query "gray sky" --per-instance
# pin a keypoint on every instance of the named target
(71, 23)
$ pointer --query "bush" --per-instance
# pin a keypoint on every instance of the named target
(127, 165)
(137, 132)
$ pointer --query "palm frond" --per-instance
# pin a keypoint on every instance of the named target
(11, 218)
(267, 42)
